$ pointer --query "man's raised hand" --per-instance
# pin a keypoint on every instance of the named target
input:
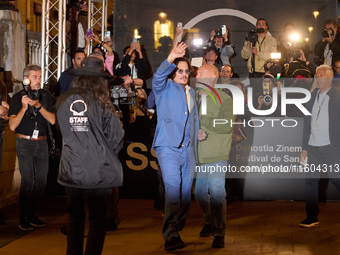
(178, 51)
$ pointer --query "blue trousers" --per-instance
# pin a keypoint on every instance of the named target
(175, 165)
(33, 167)
(317, 156)
(210, 194)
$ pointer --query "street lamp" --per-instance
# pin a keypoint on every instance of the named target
(162, 17)
(316, 14)
(310, 29)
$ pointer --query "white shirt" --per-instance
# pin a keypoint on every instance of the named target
(320, 121)
(81, 36)
(328, 54)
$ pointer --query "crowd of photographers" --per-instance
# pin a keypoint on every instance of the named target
(127, 80)
(288, 69)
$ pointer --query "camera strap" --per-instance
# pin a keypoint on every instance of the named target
(260, 44)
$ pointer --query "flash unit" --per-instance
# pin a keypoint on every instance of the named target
(198, 42)
(276, 55)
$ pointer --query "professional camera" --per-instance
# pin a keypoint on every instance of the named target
(327, 33)
(281, 38)
(198, 52)
(294, 52)
(273, 65)
(275, 69)
(197, 49)
(32, 94)
(267, 98)
(252, 35)
(218, 32)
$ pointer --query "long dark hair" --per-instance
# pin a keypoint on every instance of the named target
(98, 87)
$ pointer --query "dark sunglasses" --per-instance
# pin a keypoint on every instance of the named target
(180, 71)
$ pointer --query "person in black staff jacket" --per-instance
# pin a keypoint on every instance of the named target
(89, 168)
(328, 48)
(29, 113)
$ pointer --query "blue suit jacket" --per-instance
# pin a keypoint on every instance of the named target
(172, 111)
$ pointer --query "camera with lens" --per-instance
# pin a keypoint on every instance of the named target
(218, 32)
(294, 52)
(267, 98)
(252, 35)
(273, 64)
(281, 38)
(33, 94)
(198, 52)
(275, 69)
(327, 33)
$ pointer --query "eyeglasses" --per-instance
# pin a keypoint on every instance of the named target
(180, 71)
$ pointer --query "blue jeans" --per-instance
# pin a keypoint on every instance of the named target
(210, 195)
(97, 200)
(33, 167)
(318, 155)
(175, 165)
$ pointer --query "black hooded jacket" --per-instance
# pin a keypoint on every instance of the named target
(91, 140)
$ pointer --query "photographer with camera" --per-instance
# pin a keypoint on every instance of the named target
(283, 41)
(30, 112)
(263, 100)
(257, 48)
(298, 55)
(222, 43)
(328, 48)
(289, 45)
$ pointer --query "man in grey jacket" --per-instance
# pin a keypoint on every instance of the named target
(321, 140)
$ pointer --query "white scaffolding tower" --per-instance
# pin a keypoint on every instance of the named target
(98, 10)
(54, 32)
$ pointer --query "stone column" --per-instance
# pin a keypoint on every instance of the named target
(13, 47)
(13, 60)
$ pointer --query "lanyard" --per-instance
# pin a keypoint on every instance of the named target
(260, 44)
(317, 116)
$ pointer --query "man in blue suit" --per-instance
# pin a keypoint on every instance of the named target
(175, 140)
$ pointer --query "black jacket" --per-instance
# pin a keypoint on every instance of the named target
(334, 46)
(91, 140)
(124, 68)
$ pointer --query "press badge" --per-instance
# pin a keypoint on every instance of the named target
(35, 134)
